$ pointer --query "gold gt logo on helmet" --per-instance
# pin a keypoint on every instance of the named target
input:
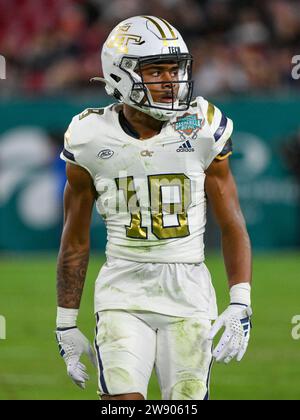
(121, 39)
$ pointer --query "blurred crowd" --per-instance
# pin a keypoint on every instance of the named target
(53, 46)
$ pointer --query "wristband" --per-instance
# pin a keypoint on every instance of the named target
(66, 318)
(241, 294)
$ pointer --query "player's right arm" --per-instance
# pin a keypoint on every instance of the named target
(79, 199)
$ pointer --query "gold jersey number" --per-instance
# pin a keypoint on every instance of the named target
(170, 197)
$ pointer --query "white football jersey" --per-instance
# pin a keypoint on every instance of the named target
(150, 192)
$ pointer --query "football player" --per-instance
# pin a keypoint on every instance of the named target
(151, 162)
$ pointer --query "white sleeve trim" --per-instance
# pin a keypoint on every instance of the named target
(63, 157)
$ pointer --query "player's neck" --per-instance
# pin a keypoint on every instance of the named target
(145, 125)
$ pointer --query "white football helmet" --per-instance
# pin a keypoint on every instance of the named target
(134, 43)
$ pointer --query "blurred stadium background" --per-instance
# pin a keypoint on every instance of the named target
(242, 62)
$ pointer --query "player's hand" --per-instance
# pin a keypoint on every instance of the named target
(72, 345)
(234, 342)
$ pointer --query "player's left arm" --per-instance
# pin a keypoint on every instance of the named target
(222, 196)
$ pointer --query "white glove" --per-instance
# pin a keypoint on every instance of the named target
(235, 340)
(72, 344)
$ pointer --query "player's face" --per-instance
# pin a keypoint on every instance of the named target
(161, 77)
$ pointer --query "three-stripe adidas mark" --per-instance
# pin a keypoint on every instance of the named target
(186, 147)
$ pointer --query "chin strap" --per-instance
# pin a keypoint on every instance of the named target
(154, 113)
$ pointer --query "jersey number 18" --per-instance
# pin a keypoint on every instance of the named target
(169, 195)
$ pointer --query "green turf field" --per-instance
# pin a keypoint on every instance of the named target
(31, 368)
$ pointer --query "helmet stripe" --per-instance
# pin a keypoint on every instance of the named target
(169, 27)
(161, 31)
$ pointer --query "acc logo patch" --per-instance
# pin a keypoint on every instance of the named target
(188, 126)
(105, 154)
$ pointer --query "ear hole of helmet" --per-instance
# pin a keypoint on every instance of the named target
(115, 77)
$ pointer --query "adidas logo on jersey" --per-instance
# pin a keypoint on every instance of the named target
(186, 147)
